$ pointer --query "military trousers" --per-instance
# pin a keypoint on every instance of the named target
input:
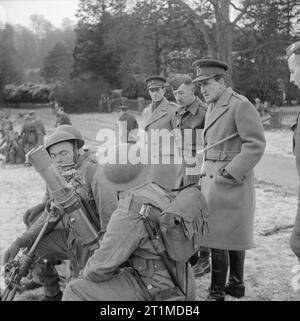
(121, 287)
(55, 247)
(295, 237)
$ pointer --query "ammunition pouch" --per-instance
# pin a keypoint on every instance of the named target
(171, 294)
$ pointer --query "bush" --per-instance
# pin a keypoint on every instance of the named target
(81, 95)
(27, 93)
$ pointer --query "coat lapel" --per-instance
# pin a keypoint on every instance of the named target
(158, 113)
(213, 113)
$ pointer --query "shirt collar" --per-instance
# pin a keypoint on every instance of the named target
(191, 108)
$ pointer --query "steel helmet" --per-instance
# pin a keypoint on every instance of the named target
(64, 133)
(119, 176)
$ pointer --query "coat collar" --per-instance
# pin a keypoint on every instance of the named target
(213, 113)
(159, 112)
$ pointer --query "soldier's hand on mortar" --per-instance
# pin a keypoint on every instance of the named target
(31, 214)
(12, 251)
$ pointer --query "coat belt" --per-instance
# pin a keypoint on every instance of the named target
(220, 155)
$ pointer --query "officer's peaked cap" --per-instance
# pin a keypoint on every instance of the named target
(155, 81)
(294, 47)
(208, 68)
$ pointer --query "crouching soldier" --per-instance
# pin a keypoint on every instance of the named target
(143, 232)
(64, 146)
(15, 152)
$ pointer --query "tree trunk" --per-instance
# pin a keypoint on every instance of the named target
(223, 34)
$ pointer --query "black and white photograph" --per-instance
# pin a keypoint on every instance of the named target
(150, 152)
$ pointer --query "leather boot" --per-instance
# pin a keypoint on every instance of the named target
(202, 266)
(52, 292)
(236, 287)
(219, 262)
(57, 297)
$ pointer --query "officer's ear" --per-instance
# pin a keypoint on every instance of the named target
(193, 87)
(220, 79)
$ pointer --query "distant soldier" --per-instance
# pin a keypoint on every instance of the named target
(61, 117)
(2, 122)
(127, 125)
(32, 132)
(159, 115)
(41, 132)
(3, 146)
(3, 140)
(14, 151)
(8, 125)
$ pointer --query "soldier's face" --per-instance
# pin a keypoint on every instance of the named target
(211, 89)
(157, 94)
(294, 66)
(62, 153)
(184, 94)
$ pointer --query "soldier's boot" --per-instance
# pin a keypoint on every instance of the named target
(219, 262)
(49, 296)
(46, 274)
(236, 287)
(29, 284)
(202, 266)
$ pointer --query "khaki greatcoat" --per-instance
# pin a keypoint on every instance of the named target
(231, 201)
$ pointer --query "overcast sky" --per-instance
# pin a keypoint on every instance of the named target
(19, 11)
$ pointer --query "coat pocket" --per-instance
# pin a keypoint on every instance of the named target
(226, 181)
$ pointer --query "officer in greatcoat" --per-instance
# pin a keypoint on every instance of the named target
(158, 120)
(227, 179)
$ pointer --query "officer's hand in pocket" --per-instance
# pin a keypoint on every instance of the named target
(225, 178)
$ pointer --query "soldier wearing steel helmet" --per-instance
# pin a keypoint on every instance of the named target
(64, 146)
(62, 117)
(32, 132)
(127, 242)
